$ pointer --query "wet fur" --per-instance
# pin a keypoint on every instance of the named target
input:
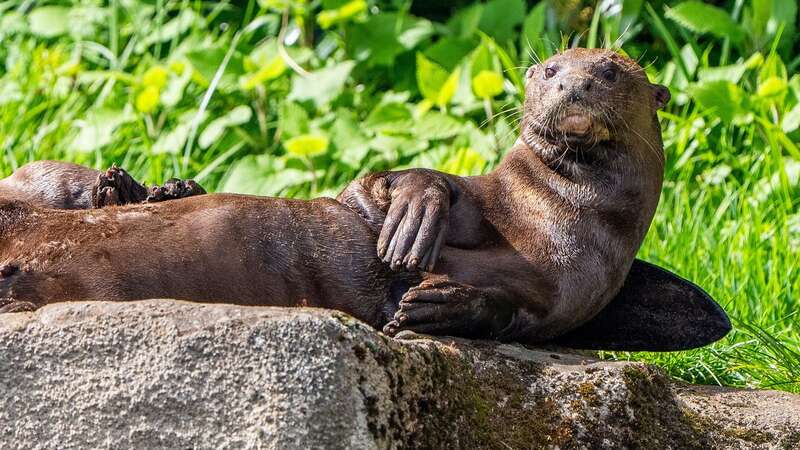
(534, 249)
(215, 248)
(548, 238)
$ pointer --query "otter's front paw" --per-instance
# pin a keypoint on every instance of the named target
(174, 189)
(116, 187)
(444, 308)
(415, 227)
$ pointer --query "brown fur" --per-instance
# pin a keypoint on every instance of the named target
(222, 248)
(549, 236)
(531, 250)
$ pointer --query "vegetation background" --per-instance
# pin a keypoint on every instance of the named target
(297, 98)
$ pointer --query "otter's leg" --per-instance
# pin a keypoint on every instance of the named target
(8, 303)
(174, 189)
(443, 307)
(117, 187)
(12, 306)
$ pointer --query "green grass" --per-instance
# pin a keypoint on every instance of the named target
(204, 90)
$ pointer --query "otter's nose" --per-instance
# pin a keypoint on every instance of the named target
(576, 89)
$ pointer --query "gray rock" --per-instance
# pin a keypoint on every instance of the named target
(160, 374)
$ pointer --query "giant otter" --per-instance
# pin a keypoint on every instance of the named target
(529, 252)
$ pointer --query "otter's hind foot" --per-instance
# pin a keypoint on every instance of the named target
(13, 306)
(174, 189)
(116, 187)
(444, 307)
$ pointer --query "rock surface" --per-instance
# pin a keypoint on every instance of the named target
(162, 374)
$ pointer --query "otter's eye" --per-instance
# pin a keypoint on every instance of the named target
(549, 72)
(610, 74)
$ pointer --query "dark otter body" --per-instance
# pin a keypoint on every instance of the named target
(51, 184)
(548, 238)
(222, 248)
(528, 252)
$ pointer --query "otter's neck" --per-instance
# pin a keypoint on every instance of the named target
(597, 182)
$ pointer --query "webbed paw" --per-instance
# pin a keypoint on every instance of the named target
(174, 189)
(116, 187)
(445, 308)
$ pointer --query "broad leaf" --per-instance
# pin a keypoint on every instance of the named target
(435, 125)
(350, 142)
(487, 84)
(49, 21)
(390, 118)
(791, 121)
(307, 145)
(724, 97)
(500, 17)
(533, 33)
(434, 82)
(703, 18)
(322, 86)
(292, 120)
(213, 131)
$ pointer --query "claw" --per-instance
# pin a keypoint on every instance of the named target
(8, 270)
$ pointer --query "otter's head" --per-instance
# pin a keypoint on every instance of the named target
(588, 102)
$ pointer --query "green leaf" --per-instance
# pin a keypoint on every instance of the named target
(383, 36)
(292, 120)
(500, 17)
(375, 40)
(772, 87)
(487, 84)
(394, 147)
(263, 64)
(173, 141)
(533, 32)
(435, 125)
(413, 31)
(434, 82)
(322, 86)
(464, 161)
(176, 85)
(724, 97)
(330, 17)
(464, 24)
(213, 131)
(49, 21)
(703, 18)
(450, 52)
(97, 129)
(352, 145)
(732, 73)
(206, 61)
(263, 175)
(170, 30)
(390, 118)
(483, 59)
(307, 145)
(791, 121)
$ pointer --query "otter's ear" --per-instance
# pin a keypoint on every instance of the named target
(656, 310)
(662, 95)
(529, 72)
